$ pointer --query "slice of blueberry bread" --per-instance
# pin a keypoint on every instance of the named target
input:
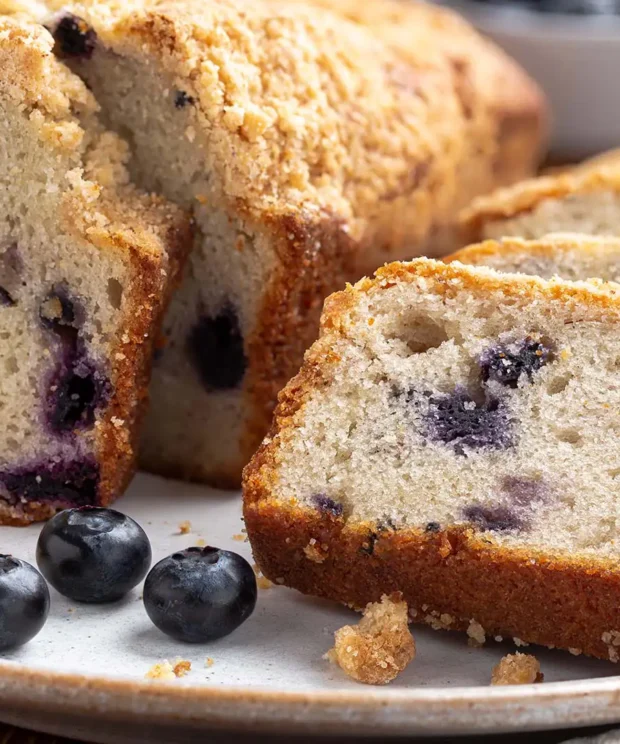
(312, 142)
(453, 435)
(85, 265)
(570, 256)
(584, 201)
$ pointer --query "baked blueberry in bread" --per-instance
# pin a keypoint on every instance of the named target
(313, 141)
(453, 435)
(86, 262)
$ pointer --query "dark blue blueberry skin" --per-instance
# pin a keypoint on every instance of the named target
(24, 602)
(71, 483)
(507, 363)
(215, 347)
(200, 594)
(91, 554)
(76, 390)
(456, 419)
(74, 37)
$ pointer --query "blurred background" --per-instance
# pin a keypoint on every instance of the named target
(572, 48)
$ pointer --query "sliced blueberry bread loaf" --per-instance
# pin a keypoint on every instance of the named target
(584, 201)
(85, 266)
(312, 141)
(453, 435)
(570, 256)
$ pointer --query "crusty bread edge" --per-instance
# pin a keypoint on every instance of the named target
(457, 572)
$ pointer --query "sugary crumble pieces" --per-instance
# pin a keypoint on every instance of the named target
(315, 552)
(201, 542)
(209, 662)
(239, 538)
(476, 633)
(261, 581)
(611, 639)
(379, 647)
(164, 670)
(185, 527)
(517, 669)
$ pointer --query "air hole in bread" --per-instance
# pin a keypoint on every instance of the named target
(115, 293)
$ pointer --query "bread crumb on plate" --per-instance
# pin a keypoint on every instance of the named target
(379, 647)
(209, 662)
(164, 670)
(517, 669)
(185, 527)
(261, 581)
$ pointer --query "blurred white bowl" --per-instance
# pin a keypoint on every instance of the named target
(576, 60)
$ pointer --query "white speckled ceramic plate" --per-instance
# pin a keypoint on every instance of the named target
(84, 673)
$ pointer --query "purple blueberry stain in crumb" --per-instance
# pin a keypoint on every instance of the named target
(5, 298)
(508, 363)
(182, 99)
(215, 348)
(432, 527)
(524, 492)
(76, 390)
(325, 504)
(66, 483)
(456, 419)
(74, 37)
(494, 518)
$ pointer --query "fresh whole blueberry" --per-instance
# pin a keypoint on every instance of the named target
(92, 554)
(24, 602)
(215, 347)
(74, 37)
(200, 594)
(507, 363)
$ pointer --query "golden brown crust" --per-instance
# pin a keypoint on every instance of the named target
(537, 597)
(452, 572)
(522, 198)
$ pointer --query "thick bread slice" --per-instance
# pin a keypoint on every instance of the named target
(586, 201)
(569, 256)
(86, 265)
(453, 435)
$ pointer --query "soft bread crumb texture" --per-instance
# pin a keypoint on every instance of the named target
(379, 647)
(517, 669)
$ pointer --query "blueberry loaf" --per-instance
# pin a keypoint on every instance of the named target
(85, 266)
(570, 256)
(583, 201)
(312, 141)
(453, 435)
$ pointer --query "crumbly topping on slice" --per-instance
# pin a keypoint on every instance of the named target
(517, 669)
(379, 647)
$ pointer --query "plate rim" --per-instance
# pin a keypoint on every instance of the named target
(413, 710)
